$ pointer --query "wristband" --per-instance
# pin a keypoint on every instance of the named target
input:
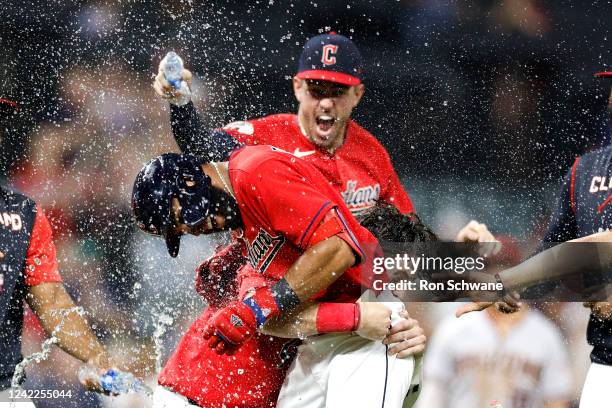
(268, 302)
(338, 317)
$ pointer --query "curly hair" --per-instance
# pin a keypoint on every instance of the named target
(387, 223)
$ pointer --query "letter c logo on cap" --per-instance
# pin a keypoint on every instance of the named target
(328, 55)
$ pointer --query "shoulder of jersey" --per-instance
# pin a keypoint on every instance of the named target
(249, 127)
(362, 134)
(598, 154)
(252, 157)
(15, 197)
(366, 141)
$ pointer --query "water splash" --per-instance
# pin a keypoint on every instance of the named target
(162, 322)
(43, 354)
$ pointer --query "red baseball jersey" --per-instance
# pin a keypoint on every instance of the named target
(250, 378)
(360, 169)
(283, 201)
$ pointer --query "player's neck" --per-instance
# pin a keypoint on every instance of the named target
(219, 176)
(339, 141)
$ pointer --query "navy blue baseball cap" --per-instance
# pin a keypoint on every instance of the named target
(166, 177)
(331, 57)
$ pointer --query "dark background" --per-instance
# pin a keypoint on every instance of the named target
(455, 88)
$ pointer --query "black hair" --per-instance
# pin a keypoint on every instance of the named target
(387, 223)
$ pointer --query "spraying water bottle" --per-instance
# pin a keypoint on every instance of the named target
(114, 382)
(174, 69)
(173, 72)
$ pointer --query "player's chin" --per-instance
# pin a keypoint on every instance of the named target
(325, 139)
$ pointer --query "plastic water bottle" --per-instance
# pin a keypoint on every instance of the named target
(174, 69)
(173, 72)
(115, 382)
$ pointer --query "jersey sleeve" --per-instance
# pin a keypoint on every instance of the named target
(562, 226)
(41, 262)
(335, 224)
(393, 192)
(194, 138)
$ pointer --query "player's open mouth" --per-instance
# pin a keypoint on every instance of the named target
(325, 123)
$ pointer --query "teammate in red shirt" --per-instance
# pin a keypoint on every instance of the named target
(328, 86)
(292, 221)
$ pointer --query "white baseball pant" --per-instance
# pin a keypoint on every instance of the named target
(345, 370)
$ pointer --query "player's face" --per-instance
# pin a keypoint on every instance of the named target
(213, 223)
(325, 108)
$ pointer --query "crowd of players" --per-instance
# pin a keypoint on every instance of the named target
(66, 170)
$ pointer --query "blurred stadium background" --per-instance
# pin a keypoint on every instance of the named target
(482, 105)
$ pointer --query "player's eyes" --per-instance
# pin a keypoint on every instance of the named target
(326, 93)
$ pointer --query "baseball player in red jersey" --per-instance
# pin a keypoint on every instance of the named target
(328, 86)
(298, 232)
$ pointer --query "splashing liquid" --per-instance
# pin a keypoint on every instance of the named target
(43, 354)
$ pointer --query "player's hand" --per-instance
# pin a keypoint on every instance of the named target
(406, 336)
(375, 320)
(472, 307)
(167, 91)
(477, 232)
(89, 375)
(509, 304)
(230, 327)
(216, 276)
(602, 310)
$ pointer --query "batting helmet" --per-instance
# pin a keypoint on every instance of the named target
(165, 177)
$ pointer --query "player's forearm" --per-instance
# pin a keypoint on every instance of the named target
(186, 127)
(315, 270)
(56, 310)
(77, 339)
(319, 267)
(315, 318)
(194, 138)
(299, 323)
(592, 253)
